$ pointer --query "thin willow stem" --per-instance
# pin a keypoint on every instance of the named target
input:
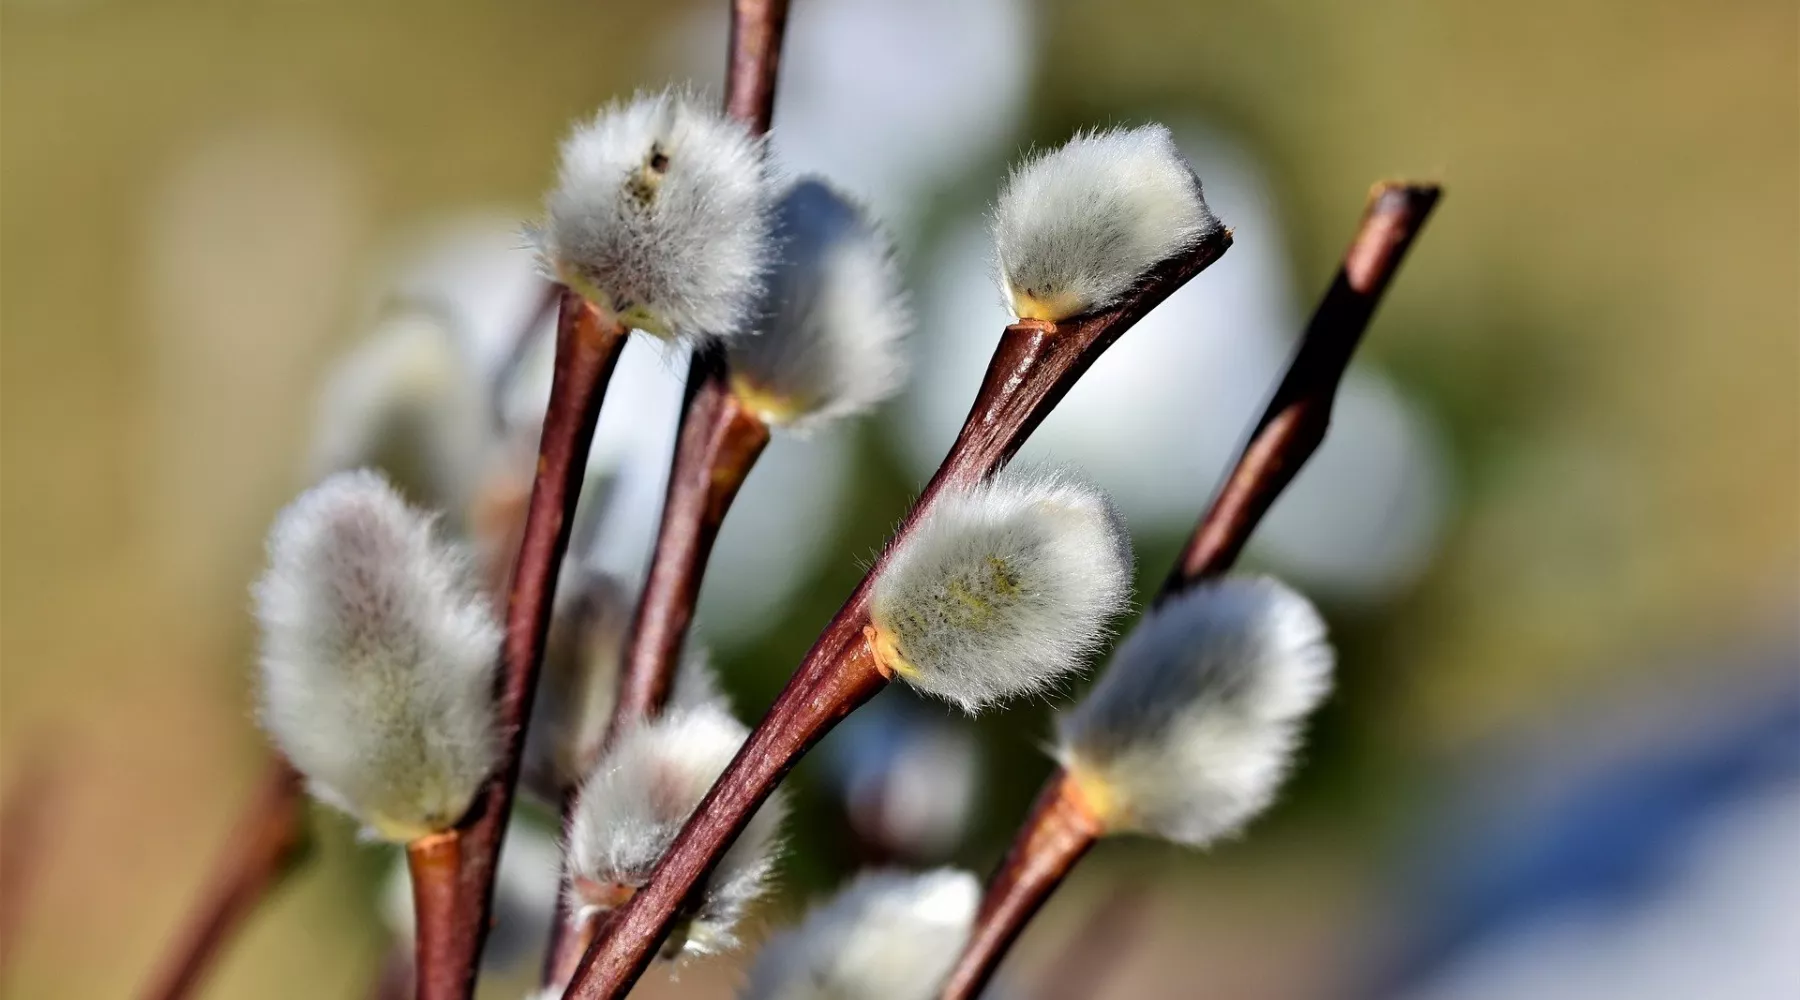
(1034, 366)
(1287, 434)
(268, 841)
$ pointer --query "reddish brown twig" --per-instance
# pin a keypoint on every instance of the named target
(1287, 434)
(1034, 366)
(25, 815)
(588, 343)
(1057, 833)
(433, 863)
(266, 844)
(1294, 423)
(718, 443)
(757, 27)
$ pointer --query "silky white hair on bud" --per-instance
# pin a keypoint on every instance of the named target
(409, 401)
(833, 318)
(886, 936)
(661, 215)
(1077, 227)
(378, 656)
(1188, 733)
(638, 798)
(1002, 588)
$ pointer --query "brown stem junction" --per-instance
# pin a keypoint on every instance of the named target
(1035, 364)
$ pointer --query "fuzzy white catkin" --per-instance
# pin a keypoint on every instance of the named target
(1002, 588)
(640, 795)
(833, 318)
(661, 214)
(1189, 732)
(409, 401)
(886, 936)
(378, 654)
(1077, 227)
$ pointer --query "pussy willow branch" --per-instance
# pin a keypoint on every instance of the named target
(1034, 365)
(26, 813)
(717, 445)
(1294, 423)
(1287, 434)
(757, 28)
(587, 348)
(432, 864)
(267, 842)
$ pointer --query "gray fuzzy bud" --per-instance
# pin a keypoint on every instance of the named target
(378, 656)
(828, 341)
(1189, 731)
(1077, 227)
(661, 215)
(1002, 588)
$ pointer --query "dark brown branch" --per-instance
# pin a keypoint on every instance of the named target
(267, 842)
(718, 444)
(1056, 834)
(25, 817)
(757, 27)
(1297, 416)
(1034, 366)
(1287, 434)
(433, 862)
(587, 347)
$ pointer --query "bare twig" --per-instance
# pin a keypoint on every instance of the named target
(1294, 423)
(1287, 434)
(1034, 366)
(433, 862)
(25, 815)
(267, 842)
(718, 443)
(588, 343)
(757, 27)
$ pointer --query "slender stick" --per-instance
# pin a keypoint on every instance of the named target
(433, 862)
(1294, 423)
(1034, 365)
(1287, 434)
(588, 343)
(267, 842)
(1058, 832)
(718, 444)
(25, 815)
(757, 27)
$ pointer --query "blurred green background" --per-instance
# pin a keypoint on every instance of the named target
(1602, 320)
